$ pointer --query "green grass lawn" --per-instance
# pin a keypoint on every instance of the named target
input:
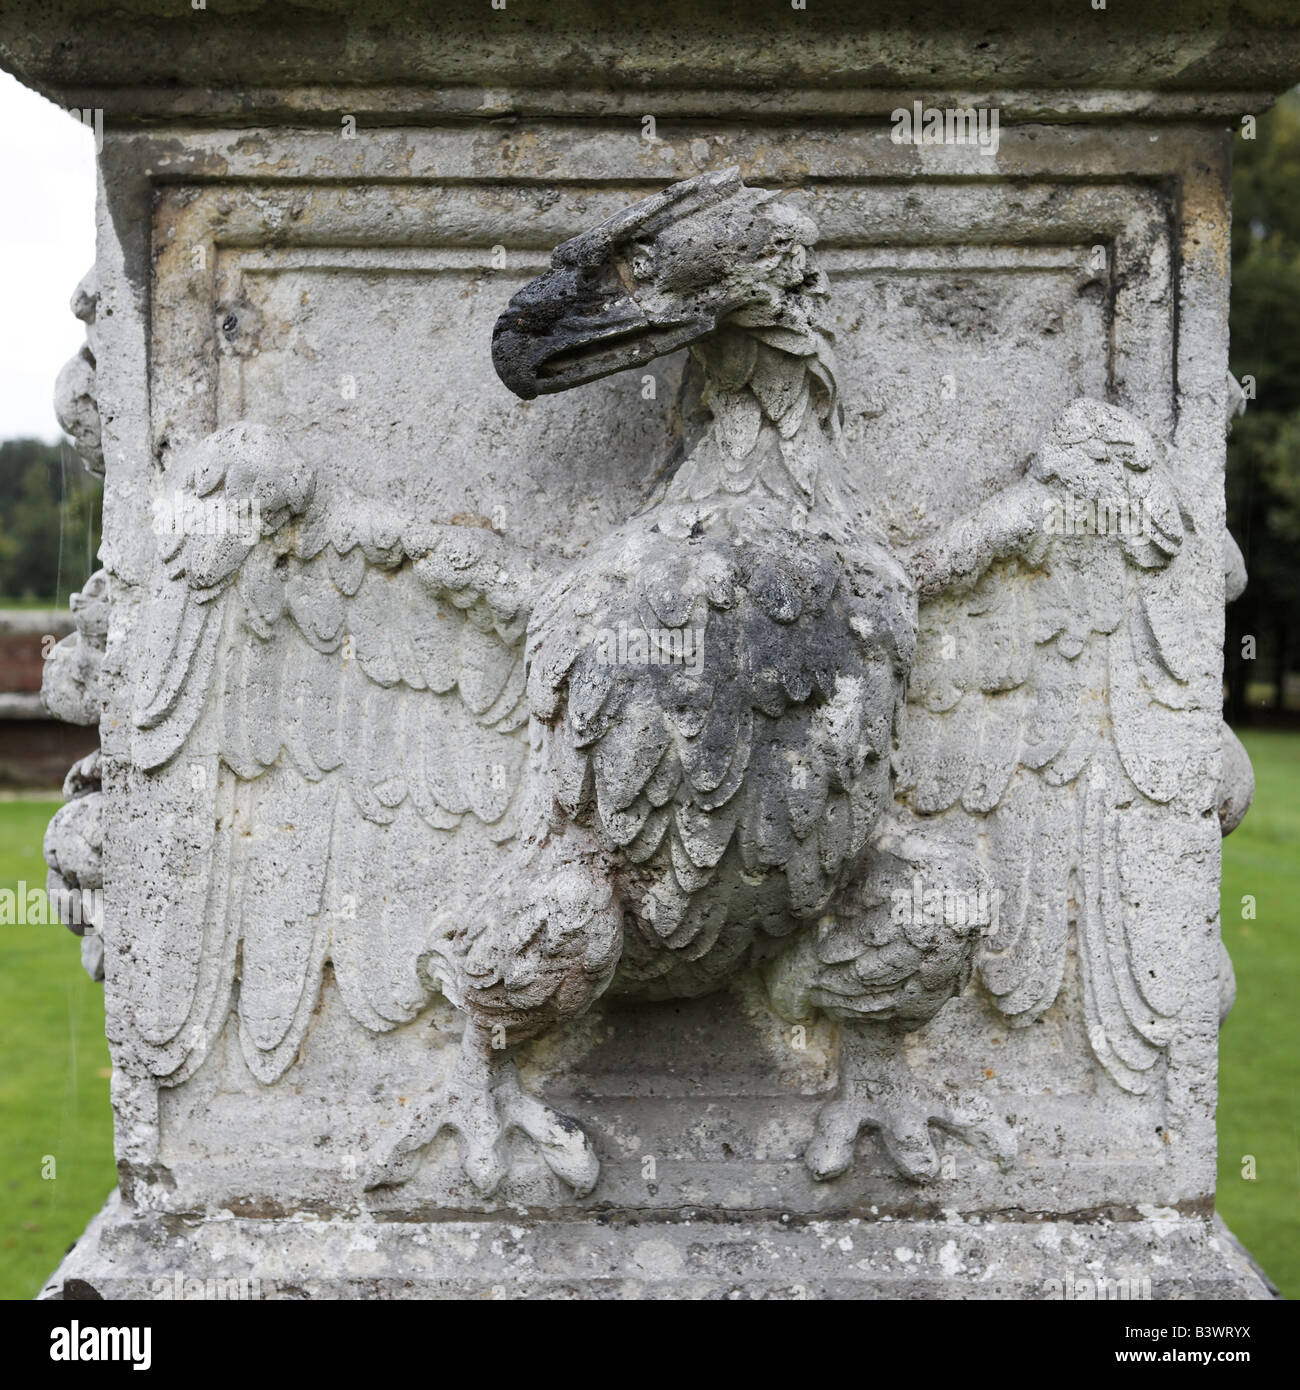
(1259, 1074)
(54, 1062)
(53, 1076)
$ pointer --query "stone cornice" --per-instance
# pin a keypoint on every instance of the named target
(420, 59)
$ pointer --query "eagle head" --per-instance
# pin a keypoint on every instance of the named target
(653, 278)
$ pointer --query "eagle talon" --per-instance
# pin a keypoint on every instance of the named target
(890, 1099)
(483, 1101)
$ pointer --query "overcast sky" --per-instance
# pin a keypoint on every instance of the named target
(47, 243)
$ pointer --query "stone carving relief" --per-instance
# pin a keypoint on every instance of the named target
(75, 400)
(1237, 780)
(70, 688)
(70, 683)
(742, 729)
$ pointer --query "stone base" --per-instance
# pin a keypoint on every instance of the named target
(130, 1256)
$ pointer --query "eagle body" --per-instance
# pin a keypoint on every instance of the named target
(715, 687)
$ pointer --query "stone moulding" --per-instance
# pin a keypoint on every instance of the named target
(1158, 1256)
(263, 61)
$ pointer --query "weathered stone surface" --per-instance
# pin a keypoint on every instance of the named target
(74, 392)
(381, 947)
(254, 59)
(74, 840)
(1237, 786)
(70, 679)
(1147, 1255)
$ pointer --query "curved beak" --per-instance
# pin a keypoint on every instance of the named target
(577, 323)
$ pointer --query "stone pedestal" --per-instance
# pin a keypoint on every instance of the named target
(310, 218)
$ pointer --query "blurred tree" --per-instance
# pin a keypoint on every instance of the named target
(1264, 448)
(49, 521)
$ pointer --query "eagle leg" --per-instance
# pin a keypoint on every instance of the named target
(482, 1101)
(539, 945)
(879, 1091)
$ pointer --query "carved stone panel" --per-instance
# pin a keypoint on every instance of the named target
(449, 945)
(354, 315)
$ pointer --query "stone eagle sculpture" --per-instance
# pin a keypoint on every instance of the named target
(741, 731)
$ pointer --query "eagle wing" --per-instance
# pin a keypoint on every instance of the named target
(1047, 713)
(331, 699)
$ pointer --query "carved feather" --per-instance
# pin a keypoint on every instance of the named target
(1046, 703)
(321, 712)
(722, 685)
